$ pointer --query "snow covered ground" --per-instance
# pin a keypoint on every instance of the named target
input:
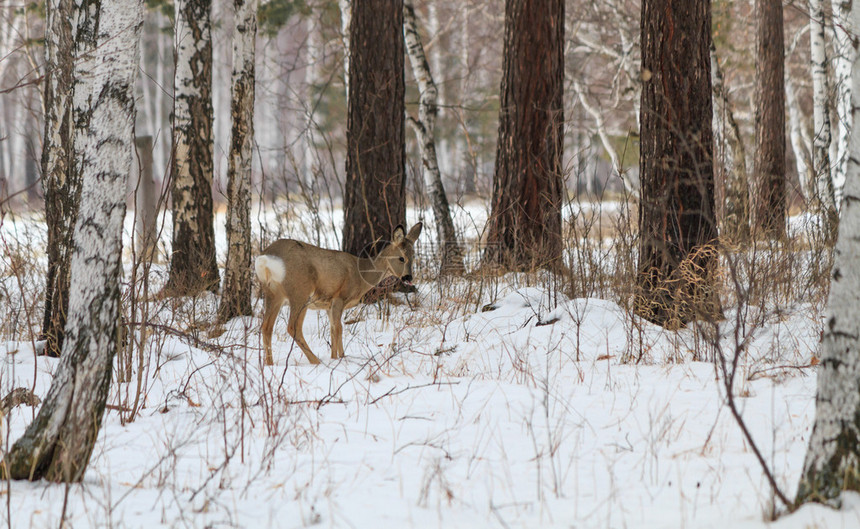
(472, 404)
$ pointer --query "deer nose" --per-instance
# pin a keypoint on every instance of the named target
(407, 279)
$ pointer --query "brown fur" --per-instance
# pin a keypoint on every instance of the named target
(320, 279)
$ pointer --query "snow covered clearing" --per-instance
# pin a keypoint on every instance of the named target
(482, 403)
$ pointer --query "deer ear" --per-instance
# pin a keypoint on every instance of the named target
(415, 232)
(398, 235)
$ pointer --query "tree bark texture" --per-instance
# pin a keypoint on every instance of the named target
(677, 227)
(770, 185)
(842, 62)
(236, 296)
(375, 188)
(832, 462)
(58, 443)
(192, 263)
(446, 236)
(825, 202)
(524, 229)
(62, 185)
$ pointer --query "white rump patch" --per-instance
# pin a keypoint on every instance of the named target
(270, 268)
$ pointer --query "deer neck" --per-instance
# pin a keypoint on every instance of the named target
(370, 274)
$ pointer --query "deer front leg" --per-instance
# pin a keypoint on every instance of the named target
(335, 315)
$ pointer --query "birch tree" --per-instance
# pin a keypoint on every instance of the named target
(58, 443)
(62, 183)
(524, 228)
(825, 201)
(192, 263)
(843, 58)
(236, 296)
(832, 463)
(424, 127)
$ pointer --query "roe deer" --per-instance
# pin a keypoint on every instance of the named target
(309, 277)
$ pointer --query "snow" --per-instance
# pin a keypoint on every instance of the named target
(490, 405)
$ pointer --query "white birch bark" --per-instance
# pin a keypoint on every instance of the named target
(832, 462)
(58, 443)
(826, 199)
(843, 59)
(424, 127)
(236, 295)
(192, 266)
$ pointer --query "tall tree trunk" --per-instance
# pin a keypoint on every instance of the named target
(677, 228)
(62, 184)
(842, 61)
(375, 189)
(832, 462)
(524, 229)
(58, 443)
(236, 296)
(451, 258)
(192, 263)
(825, 198)
(770, 120)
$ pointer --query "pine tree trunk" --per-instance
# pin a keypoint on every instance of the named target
(825, 202)
(375, 188)
(192, 264)
(446, 237)
(677, 228)
(58, 443)
(770, 207)
(236, 296)
(832, 462)
(524, 229)
(62, 184)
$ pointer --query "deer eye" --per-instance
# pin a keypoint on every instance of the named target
(402, 260)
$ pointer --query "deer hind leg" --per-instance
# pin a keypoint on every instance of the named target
(335, 314)
(272, 308)
(294, 327)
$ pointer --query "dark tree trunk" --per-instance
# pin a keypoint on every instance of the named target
(677, 228)
(62, 184)
(375, 189)
(770, 198)
(192, 263)
(525, 221)
(58, 443)
(236, 296)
